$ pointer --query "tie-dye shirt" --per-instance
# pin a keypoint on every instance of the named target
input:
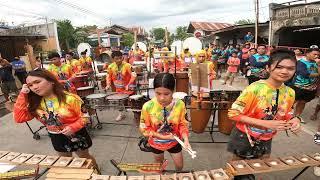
(152, 120)
(256, 101)
(85, 63)
(302, 79)
(258, 65)
(121, 77)
(68, 112)
(62, 72)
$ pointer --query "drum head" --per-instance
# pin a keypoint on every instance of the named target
(95, 96)
(117, 96)
(136, 97)
(194, 45)
(85, 88)
(151, 93)
(179, 95)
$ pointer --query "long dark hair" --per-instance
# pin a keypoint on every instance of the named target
(34, 99)
(165, 80)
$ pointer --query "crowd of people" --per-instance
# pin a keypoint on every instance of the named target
(281, 82)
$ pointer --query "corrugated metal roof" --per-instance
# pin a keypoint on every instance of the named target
(210, 26)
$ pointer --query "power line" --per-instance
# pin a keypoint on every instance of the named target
(81, 9)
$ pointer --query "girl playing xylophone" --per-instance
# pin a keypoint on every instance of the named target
(162, 118)
(263, 109)
(43, 98)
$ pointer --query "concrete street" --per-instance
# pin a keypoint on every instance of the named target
(17, 137)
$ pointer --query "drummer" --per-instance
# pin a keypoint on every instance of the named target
(63, 72)
(161, 118)
(85, 61)
(263, 109)
(121, 76)
(43, 98)
(201, 57)
(74, 63)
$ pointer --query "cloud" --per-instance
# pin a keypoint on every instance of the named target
(147, 13)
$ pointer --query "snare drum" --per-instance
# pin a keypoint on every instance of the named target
(138, 69)
(200, 117)
(85, 91)
(102, 78)
(136, 102)
(117, 100)
(80, 81)
(95, 100)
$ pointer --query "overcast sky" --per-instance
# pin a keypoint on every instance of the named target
(145, 13)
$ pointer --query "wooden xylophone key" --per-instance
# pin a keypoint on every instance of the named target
(62, 161)
(3, 153)
(291, 161)
(135, 177)
(118, 177)
(258, 165)
(152, 177)
(316, 156)
(77, 163)
(36, 159)
(22, 158)
(169, 177)
(49, 160)
(219, 174)
(307, 160)
(10, 156)
(202, 175)
(185, 176)
(99, 177)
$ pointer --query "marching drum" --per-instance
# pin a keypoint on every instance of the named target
(85, 91)
(200, 113)
(80, 81)
(180, 95)
(136, 102)
(95, 100)
(117, 100)
(102, 78)
(182, 82)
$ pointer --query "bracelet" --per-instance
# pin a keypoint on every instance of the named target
(298, 117)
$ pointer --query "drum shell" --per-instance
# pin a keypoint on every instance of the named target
(182, 82)
(117, 103)
(93, 102)
(225, 124)
(200, 117)
(85, 92)
(80, 81)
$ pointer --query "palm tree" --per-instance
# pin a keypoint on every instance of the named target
(65, 33)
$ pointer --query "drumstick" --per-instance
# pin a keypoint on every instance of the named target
(189, 150)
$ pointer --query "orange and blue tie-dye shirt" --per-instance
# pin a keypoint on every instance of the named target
(259, 101)
(68, 112)
(152, 120)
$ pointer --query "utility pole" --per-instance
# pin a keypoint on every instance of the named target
(256, 8)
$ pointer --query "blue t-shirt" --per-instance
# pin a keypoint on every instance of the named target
(258, 64)
(302, 79)
(248, 38)
(18, 66)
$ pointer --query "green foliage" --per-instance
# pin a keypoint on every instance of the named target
(127, 39)
(181, 33)
(70, 37)
(158, 33)
(244, 21)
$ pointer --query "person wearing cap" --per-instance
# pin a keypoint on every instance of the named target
(85, 61)
(201, 58)
(62, 71)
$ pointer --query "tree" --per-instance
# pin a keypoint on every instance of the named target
(127, 40)
(158, 33)
(65, 33)
(181, 33)
(244, 21)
